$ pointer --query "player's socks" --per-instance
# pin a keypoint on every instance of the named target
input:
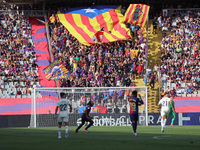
(162, 125)
(162, 129)
(66, 131)
(134, 127)
(89, 125)
(78, 127)
(59, 133)
(173, 119)
(162, 122)
(165, 120)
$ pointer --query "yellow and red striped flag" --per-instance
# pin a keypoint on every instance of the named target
(83, 23)
(137, 14)
(133, 53)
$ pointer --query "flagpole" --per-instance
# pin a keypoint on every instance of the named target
(147, 49)
(147, 42)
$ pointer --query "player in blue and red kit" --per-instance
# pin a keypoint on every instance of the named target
(85, 117)
(134, 102)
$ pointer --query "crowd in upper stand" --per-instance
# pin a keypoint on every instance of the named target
(180, 52)
(18, 73)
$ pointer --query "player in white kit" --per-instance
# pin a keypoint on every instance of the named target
(164, 105)
(63, 115)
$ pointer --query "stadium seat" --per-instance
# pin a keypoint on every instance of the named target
(18, 96)
(184, 94)
(182, 85)
(21, 62)
(9, 90)
(173, 85)
(11, 84)
(24, 96)
(29, 96)
(169, 84)
(194, 94)
(5, 84)
(188, 84)
(179, 95)
(22, 83)
(14, 90)
(4, 92)
(12, 96)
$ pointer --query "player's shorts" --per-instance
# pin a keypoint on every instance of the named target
(172, 113)
(63, 119)
(134, 117)
(164, 112)
(84, 118)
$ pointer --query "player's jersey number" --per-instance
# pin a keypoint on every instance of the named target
(133, 106)
(63, 107)
(165, 103)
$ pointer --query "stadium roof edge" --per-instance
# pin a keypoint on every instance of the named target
(21, 1)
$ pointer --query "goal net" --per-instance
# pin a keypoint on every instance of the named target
(111, 106)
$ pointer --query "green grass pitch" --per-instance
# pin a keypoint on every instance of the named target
(102, 138)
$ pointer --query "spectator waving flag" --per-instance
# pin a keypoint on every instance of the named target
(133, 53)
(98, 37)
(85, 23)
(56, 70)
(137, 14)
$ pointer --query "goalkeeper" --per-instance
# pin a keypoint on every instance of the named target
(172, 112)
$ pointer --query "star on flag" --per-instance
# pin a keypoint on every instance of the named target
(88, 10)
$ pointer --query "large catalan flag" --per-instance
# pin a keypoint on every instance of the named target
(137, 14)
(84, 22)
(56, 70)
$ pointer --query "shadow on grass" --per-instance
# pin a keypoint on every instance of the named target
(98, 138)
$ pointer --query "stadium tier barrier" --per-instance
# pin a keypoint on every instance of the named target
(22, 106)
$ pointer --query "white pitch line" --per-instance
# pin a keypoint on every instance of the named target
(162, 137)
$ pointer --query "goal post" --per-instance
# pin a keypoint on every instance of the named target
(108, 101)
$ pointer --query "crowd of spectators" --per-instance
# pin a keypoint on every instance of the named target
(18, 71)
(105, 65)
(101, 65)
(180, 52)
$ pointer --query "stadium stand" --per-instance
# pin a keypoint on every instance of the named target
(105, 65)
(180, 53)
(18, 70)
